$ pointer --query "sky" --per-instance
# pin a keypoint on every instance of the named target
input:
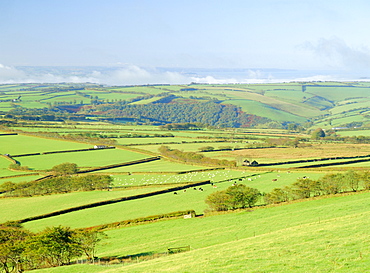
(139, 36)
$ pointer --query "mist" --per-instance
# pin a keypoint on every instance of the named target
(129, 74)
(338, 54)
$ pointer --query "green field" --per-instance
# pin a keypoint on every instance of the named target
(94, 158)
(316, 235)
(284, 102)
(168, 202)
(22, 144)
(18, 208)
(300, 237)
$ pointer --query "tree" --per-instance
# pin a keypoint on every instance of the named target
(65, 168)
(218, 201)
(276, 196)
(12, 246)
(318, 133)
(352, 180)
(206, 149)
(242, 196)
(88, 239)
(54, 246)
(305, 187)
(237, 196)
(365, 176)
(332, 183)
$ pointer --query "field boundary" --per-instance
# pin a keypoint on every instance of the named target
(9, 134)
(335, 163)
(112, 201)
(314, 160)
(9, 158)
(18, 175)
(121, 164)
(65, 151)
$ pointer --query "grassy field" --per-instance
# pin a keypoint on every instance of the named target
(300, 237)
(250, 107)
(280, 102)
(22, 144)
(328, 234)
(318, 150)
(18, 208)
(95, 158)
(165, 203)
(354, 133)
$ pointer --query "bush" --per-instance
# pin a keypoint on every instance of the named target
(65, 169)
(234, 197)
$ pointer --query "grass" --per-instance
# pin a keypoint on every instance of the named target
(22, 144)
(157, 166)
(94, 158)
(265, 110)
(151, 140)
(299, 237)
(19, 207)
(318, 150)
(298, 109)
(165, 203)
(20, 178)
(338, 93)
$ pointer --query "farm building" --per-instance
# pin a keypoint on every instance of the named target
(100, 146)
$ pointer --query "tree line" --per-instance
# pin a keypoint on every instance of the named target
(332, 183)
(59, 184)
(21, 249)
(241, 196)
(181, 111)
(193, 157)
(234, 197)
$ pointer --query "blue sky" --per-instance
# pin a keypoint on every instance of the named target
(290, 34)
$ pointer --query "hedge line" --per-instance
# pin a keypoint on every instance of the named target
(202, 170)
(141, 220)
(18, 175)
(112, 201)
(65, 151)
(10, 159)
(335, 163)
(9, 134)
(173, 142)
(79, 150)
(20, 155)
(313, 160)
(121, 164)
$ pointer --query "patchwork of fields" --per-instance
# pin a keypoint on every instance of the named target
(322, 234)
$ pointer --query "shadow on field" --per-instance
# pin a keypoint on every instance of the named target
(134, 258)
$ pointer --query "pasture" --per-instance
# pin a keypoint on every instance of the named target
(192, 198)
(24, 144)
(84, 159)
(287, 102)
(327, 234)
(19, 207)
(297, 237)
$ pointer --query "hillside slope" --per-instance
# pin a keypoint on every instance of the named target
(329, 234)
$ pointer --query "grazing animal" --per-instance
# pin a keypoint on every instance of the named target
(274, 180)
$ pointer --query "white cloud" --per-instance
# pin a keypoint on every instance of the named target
(340, 55)
(134, 75)
(10, 74)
